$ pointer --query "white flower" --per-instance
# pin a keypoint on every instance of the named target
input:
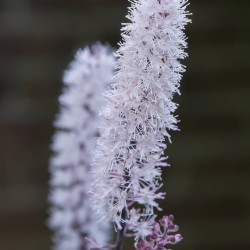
(72, 217)
(139, 110)
(139, 223)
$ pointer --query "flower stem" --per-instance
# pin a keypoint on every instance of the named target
(120, 234)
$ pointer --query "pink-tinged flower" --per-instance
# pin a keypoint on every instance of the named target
(71, 214)
(140, 113)
(161, 235)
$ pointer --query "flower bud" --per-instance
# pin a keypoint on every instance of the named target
(178, 238)
(171, 226)
(156, 226)
(138, 246)
(144, 243)
(171, 239)
(155, 235)
(162, 222)
(171, 217)
(150, 237)
(160, 245)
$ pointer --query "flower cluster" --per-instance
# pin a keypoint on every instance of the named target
(139, 114)
(72, 217)
(160, 235)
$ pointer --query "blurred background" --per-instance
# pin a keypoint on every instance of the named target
(208, 183)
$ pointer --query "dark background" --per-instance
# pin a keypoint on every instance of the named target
(208, 183)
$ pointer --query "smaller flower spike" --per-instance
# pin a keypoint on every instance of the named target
(71, 215)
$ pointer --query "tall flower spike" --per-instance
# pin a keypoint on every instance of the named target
(139, 113)
(72, 218)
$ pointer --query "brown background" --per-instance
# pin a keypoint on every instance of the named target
(208, 184)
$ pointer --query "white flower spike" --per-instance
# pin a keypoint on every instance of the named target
(139, 114)
(72, 217)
